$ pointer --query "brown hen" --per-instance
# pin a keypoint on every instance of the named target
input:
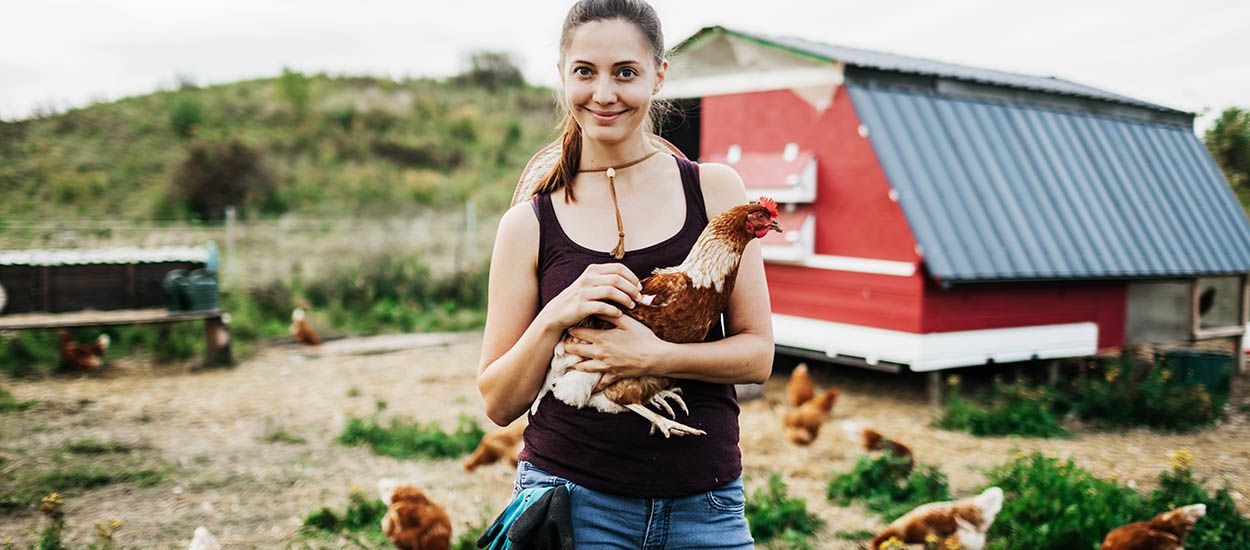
(412, 520)
(1166, 531)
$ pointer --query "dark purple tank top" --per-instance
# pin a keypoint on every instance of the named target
(612, 453)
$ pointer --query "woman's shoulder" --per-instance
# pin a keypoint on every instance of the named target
(722, 187)
(518, 229)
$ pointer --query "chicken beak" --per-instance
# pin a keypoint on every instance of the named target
(773, 225)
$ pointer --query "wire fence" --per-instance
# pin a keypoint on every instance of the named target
(261, 251)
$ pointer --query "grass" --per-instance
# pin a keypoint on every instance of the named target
(360, 522)
(1006, 409)
(90, 446)
(23, 488)
(773, 515)
(8, 403)
(276, 433)
(407, 438)
(887, 487)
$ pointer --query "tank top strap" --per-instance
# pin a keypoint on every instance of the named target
(694, 191)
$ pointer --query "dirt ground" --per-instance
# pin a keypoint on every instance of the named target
(212, 432)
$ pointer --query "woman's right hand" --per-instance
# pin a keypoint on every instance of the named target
(590, 293)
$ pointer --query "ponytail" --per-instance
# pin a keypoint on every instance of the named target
(565, 170)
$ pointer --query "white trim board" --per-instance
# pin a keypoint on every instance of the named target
(847, 263)
(936, 350)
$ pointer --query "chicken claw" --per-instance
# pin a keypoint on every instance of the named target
(666, 426)
(658, 401)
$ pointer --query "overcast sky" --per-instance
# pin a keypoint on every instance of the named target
(1191, 56)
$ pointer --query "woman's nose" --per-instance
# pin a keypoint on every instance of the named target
(605, 91)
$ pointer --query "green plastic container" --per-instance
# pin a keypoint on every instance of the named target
(201, 290)
(1212, 369)
(175, 299)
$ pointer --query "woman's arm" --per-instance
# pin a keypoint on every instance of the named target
(519, 340)
(515, 350)
(745, 355)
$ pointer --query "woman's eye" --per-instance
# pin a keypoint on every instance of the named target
(582, 71)
(628, 73)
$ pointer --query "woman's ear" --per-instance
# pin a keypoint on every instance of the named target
(660, 73)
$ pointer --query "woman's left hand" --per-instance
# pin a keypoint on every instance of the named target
(628, 351)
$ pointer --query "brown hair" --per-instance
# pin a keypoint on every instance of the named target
(643, 16)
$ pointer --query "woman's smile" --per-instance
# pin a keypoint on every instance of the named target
(606, 117)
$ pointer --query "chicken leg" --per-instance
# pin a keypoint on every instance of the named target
(666, 426)
(658, 401)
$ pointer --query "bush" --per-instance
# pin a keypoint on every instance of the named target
(363, 516)
(186, 114)
(1121, 394)
(773, 515)
(405, 438)
(217, 175)
(1222, 527)
(887, 486)
(1010, 409)
(1055, 504)
(293, 86)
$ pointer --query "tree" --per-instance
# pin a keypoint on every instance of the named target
(491, 70)
(215, 176)
(1229, 142)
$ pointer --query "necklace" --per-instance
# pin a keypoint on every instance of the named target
(619, 251)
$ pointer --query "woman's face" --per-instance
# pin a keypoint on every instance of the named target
(609, 78)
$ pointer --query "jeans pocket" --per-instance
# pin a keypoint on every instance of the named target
(729, 497)
(529, 475)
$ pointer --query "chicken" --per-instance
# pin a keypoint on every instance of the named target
(803, 423)
(964, 521)
(679, 305)
(800, 388)
(301, 330)
(1166, 531)
(871, 440)
(82, 356)
(505, 443)
(412, 520)
(203, 540)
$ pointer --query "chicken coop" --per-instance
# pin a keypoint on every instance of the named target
(68, 288)
(940, 216)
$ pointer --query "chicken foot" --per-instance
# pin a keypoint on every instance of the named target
(658, 401)
(666, 426)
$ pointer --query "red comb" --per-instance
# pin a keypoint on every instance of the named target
(770, 204)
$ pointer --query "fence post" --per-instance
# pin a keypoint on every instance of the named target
(228, 260)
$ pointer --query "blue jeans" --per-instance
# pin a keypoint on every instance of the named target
(714, 519)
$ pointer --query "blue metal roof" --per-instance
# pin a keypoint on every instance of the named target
(1008, 191)
(912, 65)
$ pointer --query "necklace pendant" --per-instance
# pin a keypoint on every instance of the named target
(611, 172)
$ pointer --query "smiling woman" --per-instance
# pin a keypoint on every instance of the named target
(551, 269)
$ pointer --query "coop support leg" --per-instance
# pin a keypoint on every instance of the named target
(1052, 372)
(933, 383)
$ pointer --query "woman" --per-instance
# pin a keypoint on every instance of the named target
(551, 267)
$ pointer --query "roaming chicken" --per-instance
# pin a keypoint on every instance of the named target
(505, 443)
(301, 330)
(82, 356)
(680, 304)
(1166, 531)
(800, 388)
(964, 521)
(803, 423)
(871, 440)
(412, 520)
(203, 540)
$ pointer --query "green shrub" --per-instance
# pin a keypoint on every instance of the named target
(1221, 527)
(362, 517)
(1009, 409)
(774, 515)
(405, 438)
(294, 88)
(186, 114)
(1123, 395)
(1051, 503)
(887, 486)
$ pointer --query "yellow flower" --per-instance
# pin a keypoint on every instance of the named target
(953, 544)
(51, 505)
(953, 380)
(1167, 375)
(931, 539)
(103, 530)
(1181, 459)
(893, 543)
(1112, 374)
(115, 523)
